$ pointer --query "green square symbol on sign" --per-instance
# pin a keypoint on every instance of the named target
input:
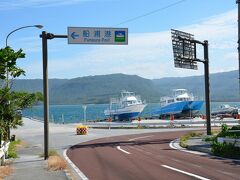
(120, 36)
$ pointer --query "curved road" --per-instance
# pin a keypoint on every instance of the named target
(147, 156)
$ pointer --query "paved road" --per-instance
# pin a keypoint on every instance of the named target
(62, 137)
(147, 156)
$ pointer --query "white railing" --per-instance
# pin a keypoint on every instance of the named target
(4, 152)
(236, 142)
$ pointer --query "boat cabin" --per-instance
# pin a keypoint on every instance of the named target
(178, 95)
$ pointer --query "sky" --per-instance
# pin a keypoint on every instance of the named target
(149, 51)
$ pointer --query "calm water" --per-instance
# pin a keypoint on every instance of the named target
(75, 113)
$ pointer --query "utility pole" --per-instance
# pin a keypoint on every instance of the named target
(238, 2)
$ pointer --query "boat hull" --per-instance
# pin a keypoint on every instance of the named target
(178, 109)
(126, 113)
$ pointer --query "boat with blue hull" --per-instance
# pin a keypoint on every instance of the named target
(180, 104)
(129, 106)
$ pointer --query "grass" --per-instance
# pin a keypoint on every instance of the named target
(51, 152)
(184, 138)
(5, 171)
(56, 163)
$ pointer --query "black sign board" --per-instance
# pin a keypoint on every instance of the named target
(184, 50)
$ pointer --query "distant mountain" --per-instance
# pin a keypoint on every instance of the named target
(223, 86)
(99, 89)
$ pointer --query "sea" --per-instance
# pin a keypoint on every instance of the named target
(94, 112)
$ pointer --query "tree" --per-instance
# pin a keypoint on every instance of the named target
(11, 102)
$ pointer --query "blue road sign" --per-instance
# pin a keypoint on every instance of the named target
(97, 35)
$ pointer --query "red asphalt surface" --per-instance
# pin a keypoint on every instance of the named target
(100, 159)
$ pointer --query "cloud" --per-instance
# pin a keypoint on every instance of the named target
(150, 54)
(19, 4)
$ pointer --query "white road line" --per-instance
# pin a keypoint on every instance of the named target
(119, 148)
(142, 137)
(184, 172)
(80, 173)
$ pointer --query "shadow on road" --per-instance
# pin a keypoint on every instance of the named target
(121, 143)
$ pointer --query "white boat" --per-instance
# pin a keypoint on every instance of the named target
(128, 106)
(181, 103)
(225, 110)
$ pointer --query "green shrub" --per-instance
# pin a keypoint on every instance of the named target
(235, 128)
(226, 132)
(225, 150)
(209, 138)
(12, 153)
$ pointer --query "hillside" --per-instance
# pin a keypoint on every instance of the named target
(223, 86)
(99, 89)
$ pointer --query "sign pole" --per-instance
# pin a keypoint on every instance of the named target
(238, 2)
(111, 36)
(45, 92)
(185, 56)
(207, 94)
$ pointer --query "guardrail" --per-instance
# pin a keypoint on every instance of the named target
(236, 142)
(163, 123)
(4, 152)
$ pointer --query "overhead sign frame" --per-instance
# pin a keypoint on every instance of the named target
(184, 51)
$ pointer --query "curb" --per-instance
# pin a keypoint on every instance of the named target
(77, 170)
(175, 145)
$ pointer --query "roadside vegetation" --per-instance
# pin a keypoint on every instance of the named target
(222, 149)
(5, 171)
(12, 150)
(229, 150)
(55, 162)
(12, 102)
(184, 138)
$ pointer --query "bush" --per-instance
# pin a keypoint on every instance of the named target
(12, 153)
(225, 150)
(226, 132)
(209, 138)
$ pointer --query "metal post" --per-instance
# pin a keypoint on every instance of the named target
(0, 137)
(45, 92)
(62, 119)
(238, 2)
(84, 113)
(207, 96)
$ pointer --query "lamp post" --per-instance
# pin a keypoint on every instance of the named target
(23, 27)
(37, 26)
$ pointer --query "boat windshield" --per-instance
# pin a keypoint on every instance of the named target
(178, 92)
(183, 99)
